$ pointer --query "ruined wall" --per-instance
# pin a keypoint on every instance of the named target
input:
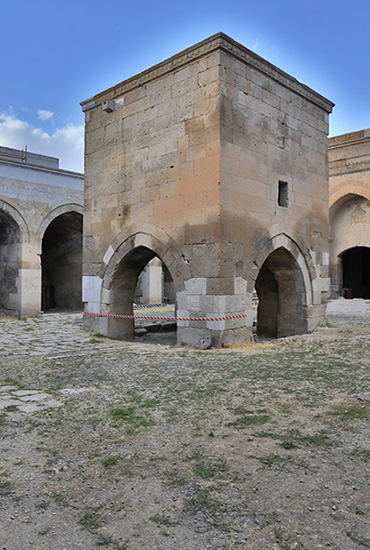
(33, 193)
(349, 177)
(184, 161)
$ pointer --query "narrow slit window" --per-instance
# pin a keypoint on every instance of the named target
(283, 194)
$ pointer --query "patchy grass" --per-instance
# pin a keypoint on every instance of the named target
(163, 520)
(206, 468)
(228, 448)
(248, 418)
(110, 461)
(350, 412)
(90, 520)
(5, 488)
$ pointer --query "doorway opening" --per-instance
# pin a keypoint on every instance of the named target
(143, 286)
(61, 264)
(356, 272)
(281, 297)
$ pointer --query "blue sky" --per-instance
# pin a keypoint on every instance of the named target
(58, 53)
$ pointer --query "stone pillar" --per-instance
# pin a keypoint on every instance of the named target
(29, 280)
(196, 302)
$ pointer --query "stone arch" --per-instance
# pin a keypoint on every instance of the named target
(61, 262)
(347, 191)
(284, 287)
(350, 229)
(53, 214)
(304, 261)
(18, 218)
(124, 262)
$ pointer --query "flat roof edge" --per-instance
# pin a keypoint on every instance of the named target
(221, 42)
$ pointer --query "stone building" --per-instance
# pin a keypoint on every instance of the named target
(349, 171)
(41, 208)
(214, 161)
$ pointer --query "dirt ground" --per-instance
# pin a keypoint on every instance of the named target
(137, 446)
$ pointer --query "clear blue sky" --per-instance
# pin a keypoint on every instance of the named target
(57, 53)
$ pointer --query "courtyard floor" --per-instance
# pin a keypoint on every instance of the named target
(137, 446)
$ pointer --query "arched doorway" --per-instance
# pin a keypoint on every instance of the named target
(124, 288)
(281, 297)
(356, 271)
(10, 263)
(350, 230)
(61, 263)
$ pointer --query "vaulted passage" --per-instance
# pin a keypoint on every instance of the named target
(61, 263)
(356, 271)
(131, 283)
(10, 262)
(280, 288)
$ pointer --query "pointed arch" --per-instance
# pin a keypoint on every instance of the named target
(53, 214)
(124, 260)
(304, 262)
(14, 213)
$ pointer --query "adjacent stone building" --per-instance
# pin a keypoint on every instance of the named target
(349, 169)
(214, 161)
(41, 208)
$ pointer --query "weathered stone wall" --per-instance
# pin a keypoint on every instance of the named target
(349, 177)
(33, 193)
(271, 132)
(184, 162)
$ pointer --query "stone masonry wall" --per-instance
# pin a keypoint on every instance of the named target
(185, 159)
(33, 192)
(349, 177)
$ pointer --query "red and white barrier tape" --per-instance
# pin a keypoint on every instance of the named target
(159, 318)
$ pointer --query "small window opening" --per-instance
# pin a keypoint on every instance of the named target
(283, 194)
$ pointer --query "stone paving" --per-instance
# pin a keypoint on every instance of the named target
(52, 336)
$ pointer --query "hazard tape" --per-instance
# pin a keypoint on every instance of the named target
(159, 318)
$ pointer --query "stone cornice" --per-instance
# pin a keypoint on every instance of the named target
(217, 42)
(341, 145)
(356, 159)
(36, 168)
(339, 168)
(352, 138)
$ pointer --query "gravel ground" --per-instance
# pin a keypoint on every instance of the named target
(137, 446)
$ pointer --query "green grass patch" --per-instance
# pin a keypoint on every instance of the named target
(350, 412)
(10, 382)
(129, 417)
(90, 520)
(247, 420)
(110, 461)
(162, 520)
(269, 435)
(174, 479)
(206, 468)
(203, 500)
(5, 488)
(59, 498)
(121, 413)
(273, 459)
(107, 540)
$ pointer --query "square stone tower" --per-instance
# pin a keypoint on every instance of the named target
(216, 162)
